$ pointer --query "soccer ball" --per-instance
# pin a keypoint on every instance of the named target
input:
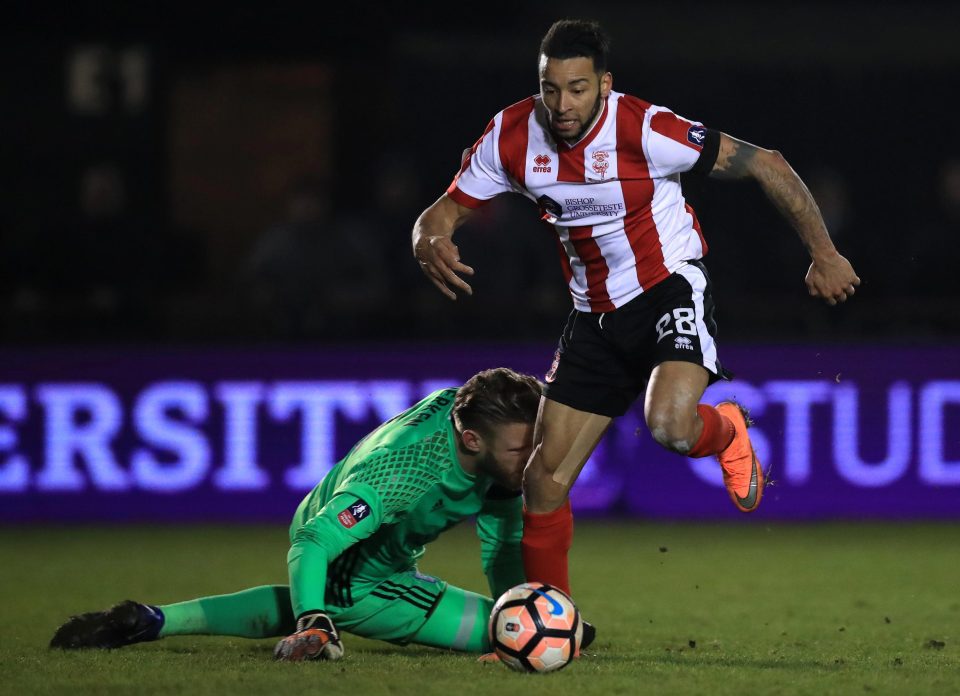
(535, 628)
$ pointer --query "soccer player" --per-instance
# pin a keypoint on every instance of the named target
(356, 537)
(604, 169)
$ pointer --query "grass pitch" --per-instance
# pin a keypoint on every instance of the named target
(680, 609)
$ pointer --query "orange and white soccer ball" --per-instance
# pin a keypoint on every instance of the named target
(535, 628)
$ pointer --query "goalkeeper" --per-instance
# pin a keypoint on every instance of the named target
(356, 537)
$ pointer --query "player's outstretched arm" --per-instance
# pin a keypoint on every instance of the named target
(500, 528)
(434, 249)
(830, 275)
(344, 520)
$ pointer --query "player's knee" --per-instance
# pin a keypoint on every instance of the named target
(670, 432)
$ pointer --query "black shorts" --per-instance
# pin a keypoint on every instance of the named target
(604, 360)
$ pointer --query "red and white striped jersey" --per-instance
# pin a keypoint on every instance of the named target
(613, 198)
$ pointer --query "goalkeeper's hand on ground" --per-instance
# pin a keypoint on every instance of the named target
(316, 639)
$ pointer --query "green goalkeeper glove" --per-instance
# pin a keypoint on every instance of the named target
(316, 639)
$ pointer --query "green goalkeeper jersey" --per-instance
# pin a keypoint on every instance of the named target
(394, 492)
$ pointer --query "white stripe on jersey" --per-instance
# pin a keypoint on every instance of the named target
(578, 281)
(621, 281)
(540, 145)
(670, 213)
(670, 157)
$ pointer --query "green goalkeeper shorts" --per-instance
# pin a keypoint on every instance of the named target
(411, 607)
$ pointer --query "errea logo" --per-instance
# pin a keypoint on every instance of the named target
(683, 343)
(541, 164)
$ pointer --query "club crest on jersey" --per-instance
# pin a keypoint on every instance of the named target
(541, 164)
(354, 513)
(601, 162)
(697, 135)
(550, 210)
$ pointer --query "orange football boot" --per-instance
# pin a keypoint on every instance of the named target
(742, 473)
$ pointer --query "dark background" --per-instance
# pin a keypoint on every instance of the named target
(249, 173)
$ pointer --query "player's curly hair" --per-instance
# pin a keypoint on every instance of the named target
(577, 38)
(496, 397)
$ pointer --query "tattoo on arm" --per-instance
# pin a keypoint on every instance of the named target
(734, 158)
(793, 199)
(782, 185)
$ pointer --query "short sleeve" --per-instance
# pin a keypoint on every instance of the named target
(481, 175)
(672, 144)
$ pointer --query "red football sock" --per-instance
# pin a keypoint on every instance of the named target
(717, 432)
(546, 540)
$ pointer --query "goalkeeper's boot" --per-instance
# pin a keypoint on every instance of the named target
(742, 473)
(122, 624)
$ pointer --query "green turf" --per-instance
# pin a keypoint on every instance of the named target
(681, 609)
